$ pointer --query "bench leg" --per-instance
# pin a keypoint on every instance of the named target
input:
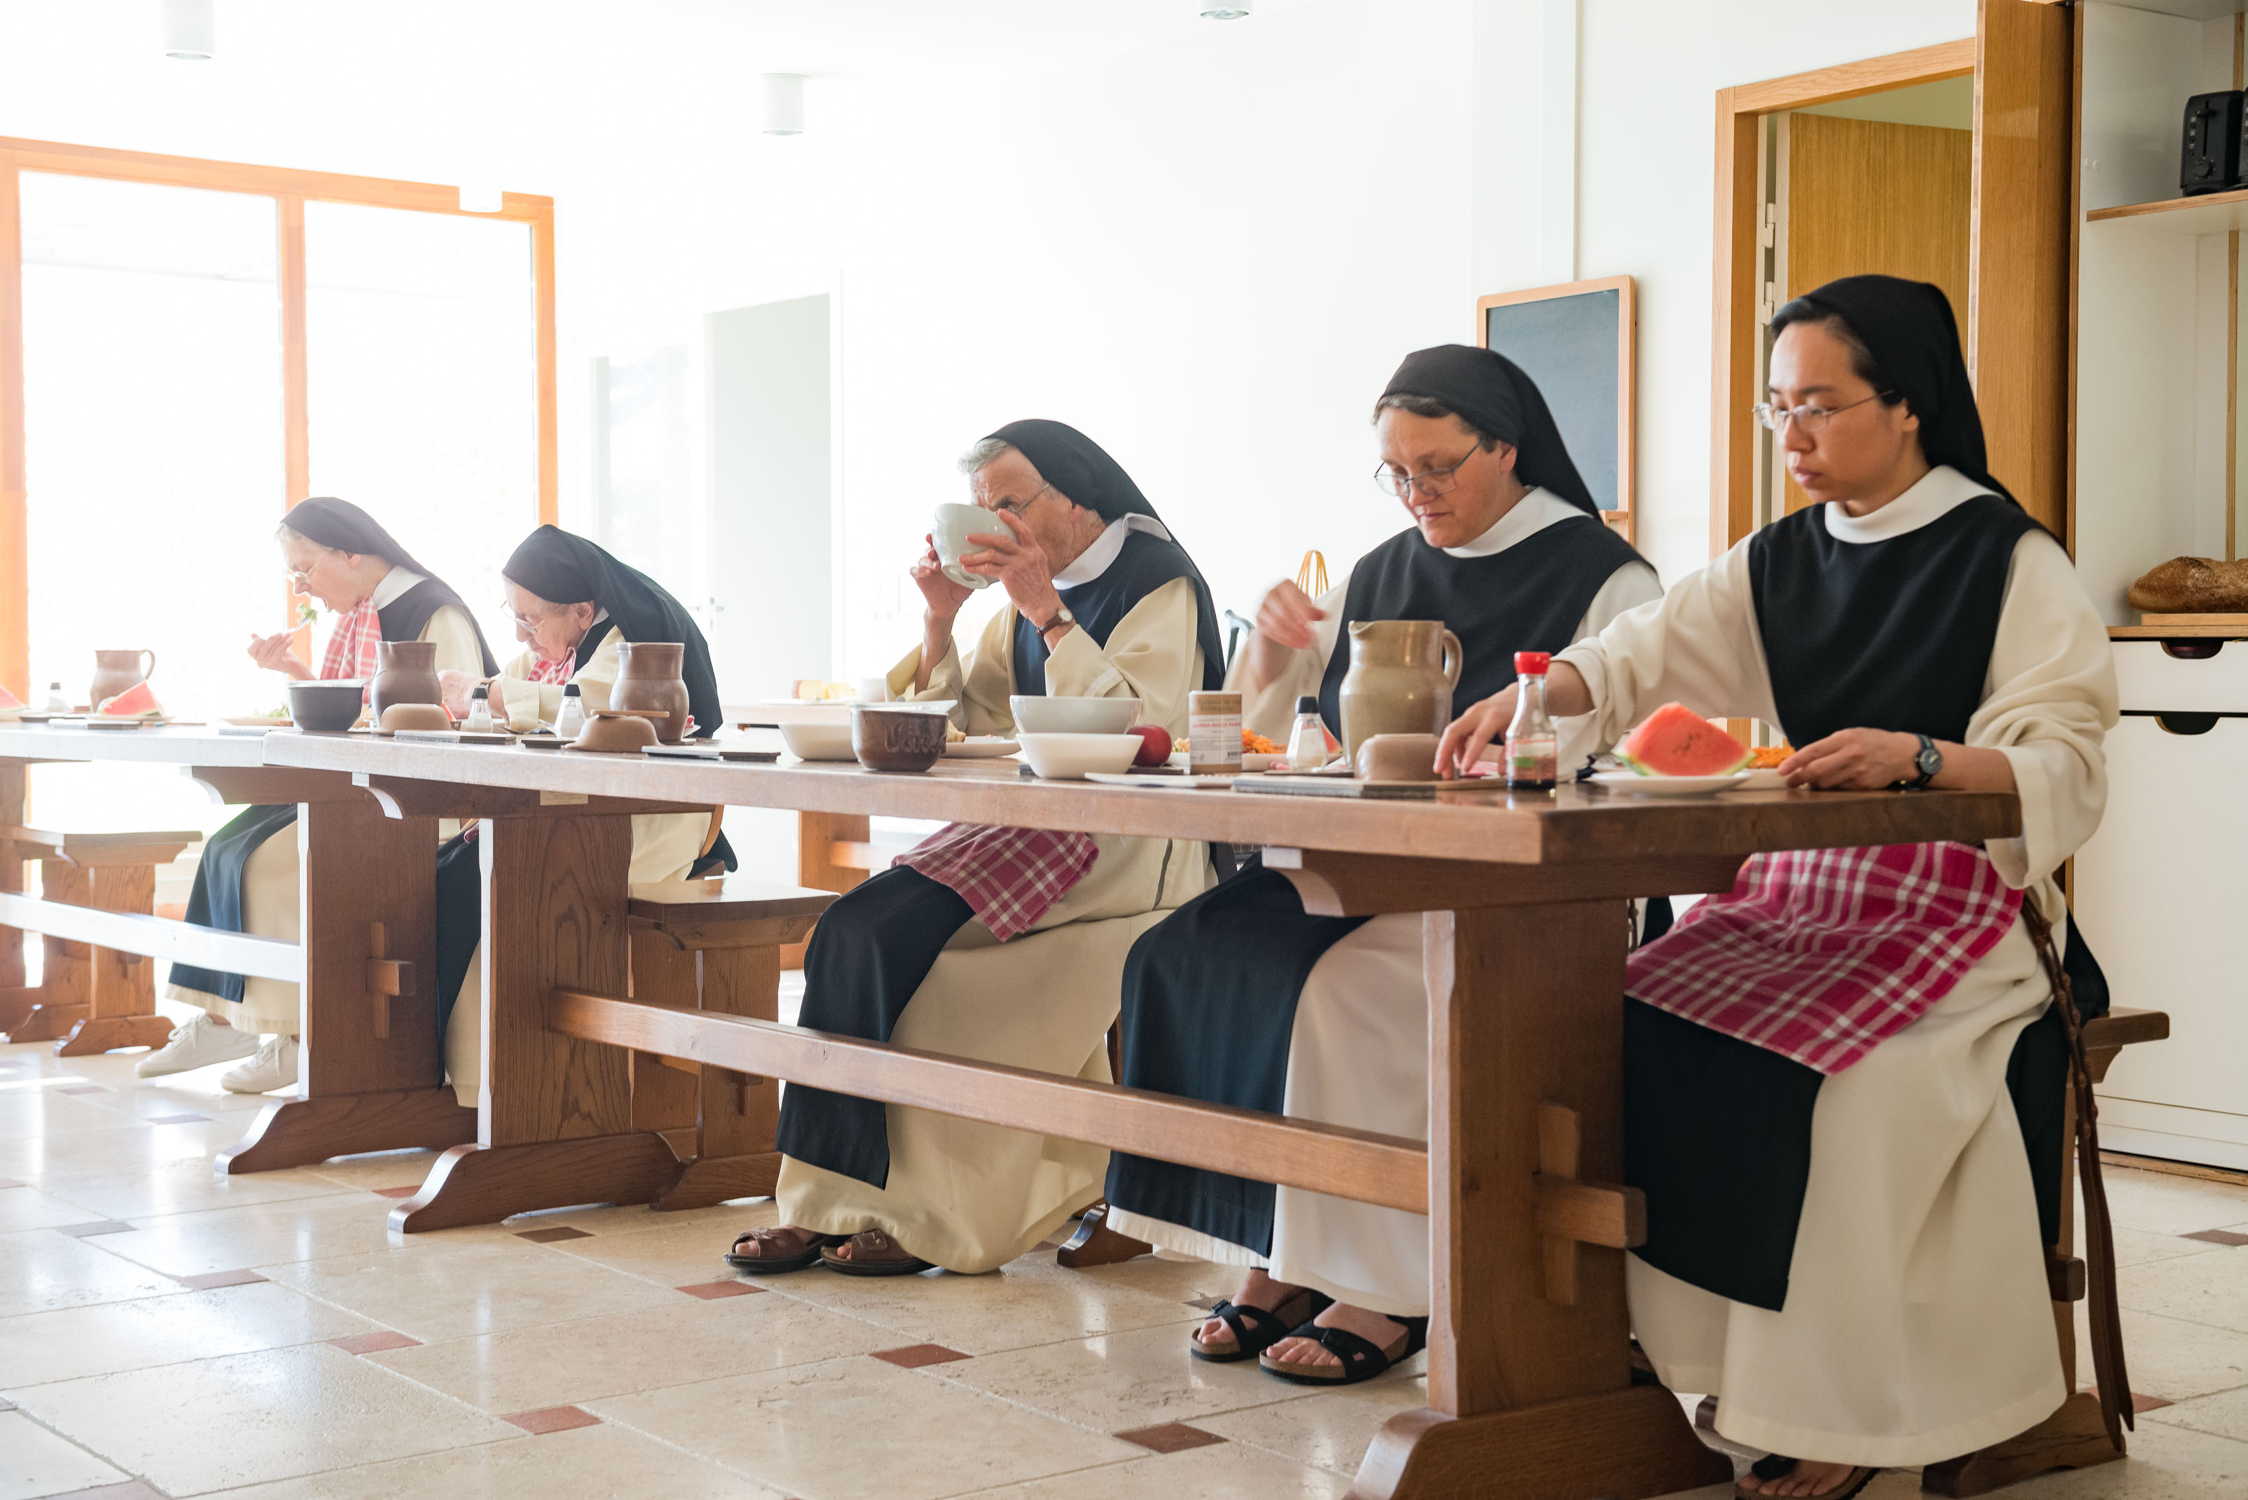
(663, 1095)
(299, 1132)
(59, 1002)
(738, 1114)
(121, 998)
(15, 1002)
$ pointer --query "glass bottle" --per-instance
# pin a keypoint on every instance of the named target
(56, 702)
(1532, 749)
(569, 720)
(1307, 741)
(479, 711)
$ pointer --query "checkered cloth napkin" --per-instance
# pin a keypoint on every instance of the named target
(1010, 877)
(352, 645)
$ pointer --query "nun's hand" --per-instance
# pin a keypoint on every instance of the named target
(1862, 760)
(272, 652)
(1013, 559)
(1286, 615)
(454, 689)
(1467, 743)
(940, 593)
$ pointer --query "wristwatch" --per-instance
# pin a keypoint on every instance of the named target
(1062, 616)
(1928, 761)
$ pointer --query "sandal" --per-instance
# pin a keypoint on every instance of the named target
(1254, 1329)
(903, 1263)
(1778, 1466)
(1361, 1358)
(774, 1265)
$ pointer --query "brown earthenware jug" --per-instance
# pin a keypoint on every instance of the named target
(407, 673)
(115, 671)
(1400, 681)
(649, 682)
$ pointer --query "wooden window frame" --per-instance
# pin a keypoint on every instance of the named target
(290, 189)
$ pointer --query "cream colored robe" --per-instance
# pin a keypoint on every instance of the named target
(1917, 1325)
(969, 1196)
(270, 887)
(664, 845)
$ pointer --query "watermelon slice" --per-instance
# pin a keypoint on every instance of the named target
(136, 702)
(1676, 741)
(8, 699)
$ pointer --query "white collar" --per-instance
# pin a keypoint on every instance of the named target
(1939, 491)
(393, 586)
(1095, 560)
(1533, 513)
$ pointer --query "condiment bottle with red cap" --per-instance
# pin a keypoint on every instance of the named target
(1532, 749)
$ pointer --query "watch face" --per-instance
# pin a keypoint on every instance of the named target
(1929, 761)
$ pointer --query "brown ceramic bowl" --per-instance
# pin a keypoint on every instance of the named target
(897, 739)
(326, 707)
(1398, 757)
(415, 716)
(616, 732)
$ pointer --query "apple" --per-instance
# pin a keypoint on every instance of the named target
(1155, 745)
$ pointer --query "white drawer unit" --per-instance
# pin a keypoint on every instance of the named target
(2160, 889)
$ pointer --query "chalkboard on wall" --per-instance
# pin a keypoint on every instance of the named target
(1578, 341)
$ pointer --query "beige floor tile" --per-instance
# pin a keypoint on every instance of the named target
(46, 1110)
(1326, 1429)
(1029, 1302)
(2136, 1247)
(2224, 1414)
(637, 1218)
(851, 1428)
(678, 1254)
(587, 1463)
(100, 1153)
(2172, 1357)
(1225, 1471)
(1138, 1378)
(2166, 1463)
(2162, 1204)
(260, 1234)
(484, 1286)
(41, 1270)
(148, 1331)
(380, 1169)
(1164, 1276)
(183, 1187)
(29, 1208)
(2211, 1289)
(249, 1418)
(33, 1461)
(568, 1364)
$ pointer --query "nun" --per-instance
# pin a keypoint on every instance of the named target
(247, 879)
(1242, 998)
(1845, 1242)
(574, 605)
(999, 944)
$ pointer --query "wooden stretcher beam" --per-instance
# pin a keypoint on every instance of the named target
(155, 937)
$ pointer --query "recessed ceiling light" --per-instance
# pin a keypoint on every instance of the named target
(784, 103)
(189, 31)
(1223, 10)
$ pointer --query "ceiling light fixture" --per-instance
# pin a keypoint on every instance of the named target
(481, 198)
(189, 30)
(1223, 10)
(784, 103)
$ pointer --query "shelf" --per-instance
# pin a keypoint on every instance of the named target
(2210, 213)
(2176, 633)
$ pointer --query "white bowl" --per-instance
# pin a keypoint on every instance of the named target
(1044, 715)
(819, 741)
(1067, 757)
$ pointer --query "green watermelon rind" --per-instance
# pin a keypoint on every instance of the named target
(1639, 770)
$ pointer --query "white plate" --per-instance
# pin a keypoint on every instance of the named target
(1667, 786)
(1249, 763)
(981, 747)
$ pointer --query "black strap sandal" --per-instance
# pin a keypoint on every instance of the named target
(1254, 1329)
(906, 1263)
(1779, 1466)
(1361, 1359)
(774, 1265)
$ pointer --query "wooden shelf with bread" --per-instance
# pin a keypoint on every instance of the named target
(2156, 523)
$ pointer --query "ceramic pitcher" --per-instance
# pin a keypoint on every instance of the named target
(1400, 681)
(406, 673)
(648, 680)
(115, 671)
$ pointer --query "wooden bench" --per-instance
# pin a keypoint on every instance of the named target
(836, 852)
(713, 945)
(91, 998)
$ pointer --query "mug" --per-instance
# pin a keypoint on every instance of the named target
(954, 525)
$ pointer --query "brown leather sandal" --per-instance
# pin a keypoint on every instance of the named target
(774, 1265)
(874, 1253)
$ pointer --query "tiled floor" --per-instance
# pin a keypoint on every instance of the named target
(164, 1332)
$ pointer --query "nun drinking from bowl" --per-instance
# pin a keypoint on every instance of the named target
(574, 605)
(1000, 944)
(247, 879)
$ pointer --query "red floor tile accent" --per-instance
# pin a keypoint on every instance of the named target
(914, 1356)
(551, 1236)
(2220, 1237)
(553, 1419)
(2141, 1403)
(407, 1191)
(212, 1281)
(97, 1226)
(178, 1119)
(1170, 1437)
(709, 1290)
(374, 1343)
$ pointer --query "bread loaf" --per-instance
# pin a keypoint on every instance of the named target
(2193, 586)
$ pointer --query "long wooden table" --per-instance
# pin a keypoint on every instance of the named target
(1530, 1391)
(365, 962)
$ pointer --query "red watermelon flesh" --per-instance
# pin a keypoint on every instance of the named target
(136, 702)
(1676, 741)
(8, 699)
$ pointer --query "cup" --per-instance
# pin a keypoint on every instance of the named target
(954, 525)
(874, 690)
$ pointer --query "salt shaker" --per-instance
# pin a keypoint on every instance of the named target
(569, 721)
(1307, 741)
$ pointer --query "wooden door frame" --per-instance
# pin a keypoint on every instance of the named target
(290, 189)
(2017, 323)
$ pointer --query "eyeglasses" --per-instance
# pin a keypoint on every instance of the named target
(1431, 484)
(1017, 507)
(1808, 418)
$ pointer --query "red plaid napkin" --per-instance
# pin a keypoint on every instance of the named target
(1819, 954)
(352, 644)
(1009, 877)
(557, 671)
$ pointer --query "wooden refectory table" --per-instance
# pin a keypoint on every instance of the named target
(1530, 1391)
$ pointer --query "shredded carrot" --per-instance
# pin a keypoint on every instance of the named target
(1254, 743)
(1768, 757)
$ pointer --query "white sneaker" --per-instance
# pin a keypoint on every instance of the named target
(200, 1042)
(275, 1067)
